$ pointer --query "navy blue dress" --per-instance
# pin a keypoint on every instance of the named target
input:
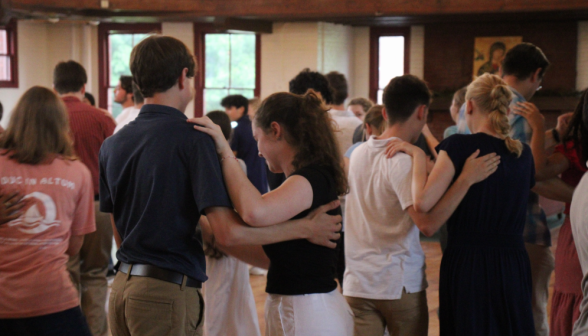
(485, 281)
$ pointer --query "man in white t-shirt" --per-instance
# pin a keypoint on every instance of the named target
(130, 113)
(385, 280)
(346, 121)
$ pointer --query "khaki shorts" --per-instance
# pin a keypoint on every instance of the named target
(146, 306)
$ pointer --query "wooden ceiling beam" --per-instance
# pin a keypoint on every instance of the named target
(297, 9)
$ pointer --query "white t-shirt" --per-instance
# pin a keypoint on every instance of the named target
(347, 125)
(383, 253)
(126, 116)
(579, 220)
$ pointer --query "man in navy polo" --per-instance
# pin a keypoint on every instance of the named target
(157, 177)
(242, 142)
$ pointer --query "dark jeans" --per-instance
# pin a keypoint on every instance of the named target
(69, 322)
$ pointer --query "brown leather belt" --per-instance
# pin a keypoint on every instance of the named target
(158, 273)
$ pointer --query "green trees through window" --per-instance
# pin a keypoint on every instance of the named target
(229, 68)
(120, 46)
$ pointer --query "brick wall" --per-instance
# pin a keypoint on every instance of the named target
(449, 50)
(582, 65)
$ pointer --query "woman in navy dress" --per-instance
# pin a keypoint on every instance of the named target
(485, 282)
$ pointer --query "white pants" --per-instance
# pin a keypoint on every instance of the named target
(308, 315)
(230, 306)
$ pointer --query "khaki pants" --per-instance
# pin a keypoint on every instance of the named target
(407, 316)
(88, 272)
(145, 306)
(542, 264)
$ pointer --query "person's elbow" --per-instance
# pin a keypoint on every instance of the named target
(425, 226)
(541, 176)
(254, 217)
(421, 205)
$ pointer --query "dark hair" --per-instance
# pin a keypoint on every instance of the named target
(578, 128)
(1, 111)
(137, 95)
(90, 98)
(38, 128)
(523, 60)
(126, 83)
(157, 63)
(307, 79)
(403, 95)
(339, 85)
(237, 101)
(69, 77)
(222, 119)
(308, 128)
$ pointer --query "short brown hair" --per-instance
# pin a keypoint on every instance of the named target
(38, 128)
(69, 77)
(158, 61)
(338, 83)
(365, 103)
(403, 95)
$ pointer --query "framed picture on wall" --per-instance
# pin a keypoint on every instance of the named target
(489, 53)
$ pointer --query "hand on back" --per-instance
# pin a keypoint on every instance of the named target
(324, 228)
(396, 146)
(530, 112)
(477, 169)
(10, 205)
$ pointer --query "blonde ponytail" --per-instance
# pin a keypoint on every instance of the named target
(493, 96)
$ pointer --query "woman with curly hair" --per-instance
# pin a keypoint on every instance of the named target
(294, 133)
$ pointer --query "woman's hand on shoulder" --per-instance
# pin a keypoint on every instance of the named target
(205, 125)
(477, 169)
(530, 112)
(396, 146)
(11, 204)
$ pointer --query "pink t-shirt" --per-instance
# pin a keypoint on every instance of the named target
(34, 280)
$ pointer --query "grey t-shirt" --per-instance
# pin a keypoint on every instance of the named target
(579, 219)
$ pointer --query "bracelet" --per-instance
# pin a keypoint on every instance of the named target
(228, 157)
(555, 135)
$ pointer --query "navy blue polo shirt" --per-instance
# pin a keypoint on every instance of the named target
(157, 175)
(245, 145)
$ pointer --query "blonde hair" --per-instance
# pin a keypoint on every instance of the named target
(492, 96)
(375, 119)
(38, 128)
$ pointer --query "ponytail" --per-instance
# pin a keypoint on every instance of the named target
(492, 95)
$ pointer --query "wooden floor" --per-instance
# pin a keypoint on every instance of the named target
(433, 260)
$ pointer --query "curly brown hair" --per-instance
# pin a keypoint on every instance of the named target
(308, 128)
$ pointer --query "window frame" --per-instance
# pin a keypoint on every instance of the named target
(12, 52)
(104, 30)
(375, 34)
(200, 31)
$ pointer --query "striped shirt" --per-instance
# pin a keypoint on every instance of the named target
(536, 231)
(89, 127)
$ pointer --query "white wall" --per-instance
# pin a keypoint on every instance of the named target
(41, 45)
(582, 59)
(184, 32)
(290, 48)
(335, 50)
(361, 62)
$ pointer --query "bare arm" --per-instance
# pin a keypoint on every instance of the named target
(432, 142)
(555, 189)
(318, 227)
(251, 254)
(117, 238)
(75, 244)
(545, 168)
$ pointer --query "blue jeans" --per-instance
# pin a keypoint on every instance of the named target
(69, 322)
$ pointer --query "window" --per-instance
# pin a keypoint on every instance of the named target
(389, 55)
(230, 66)
(116, 42)
(8, 56)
